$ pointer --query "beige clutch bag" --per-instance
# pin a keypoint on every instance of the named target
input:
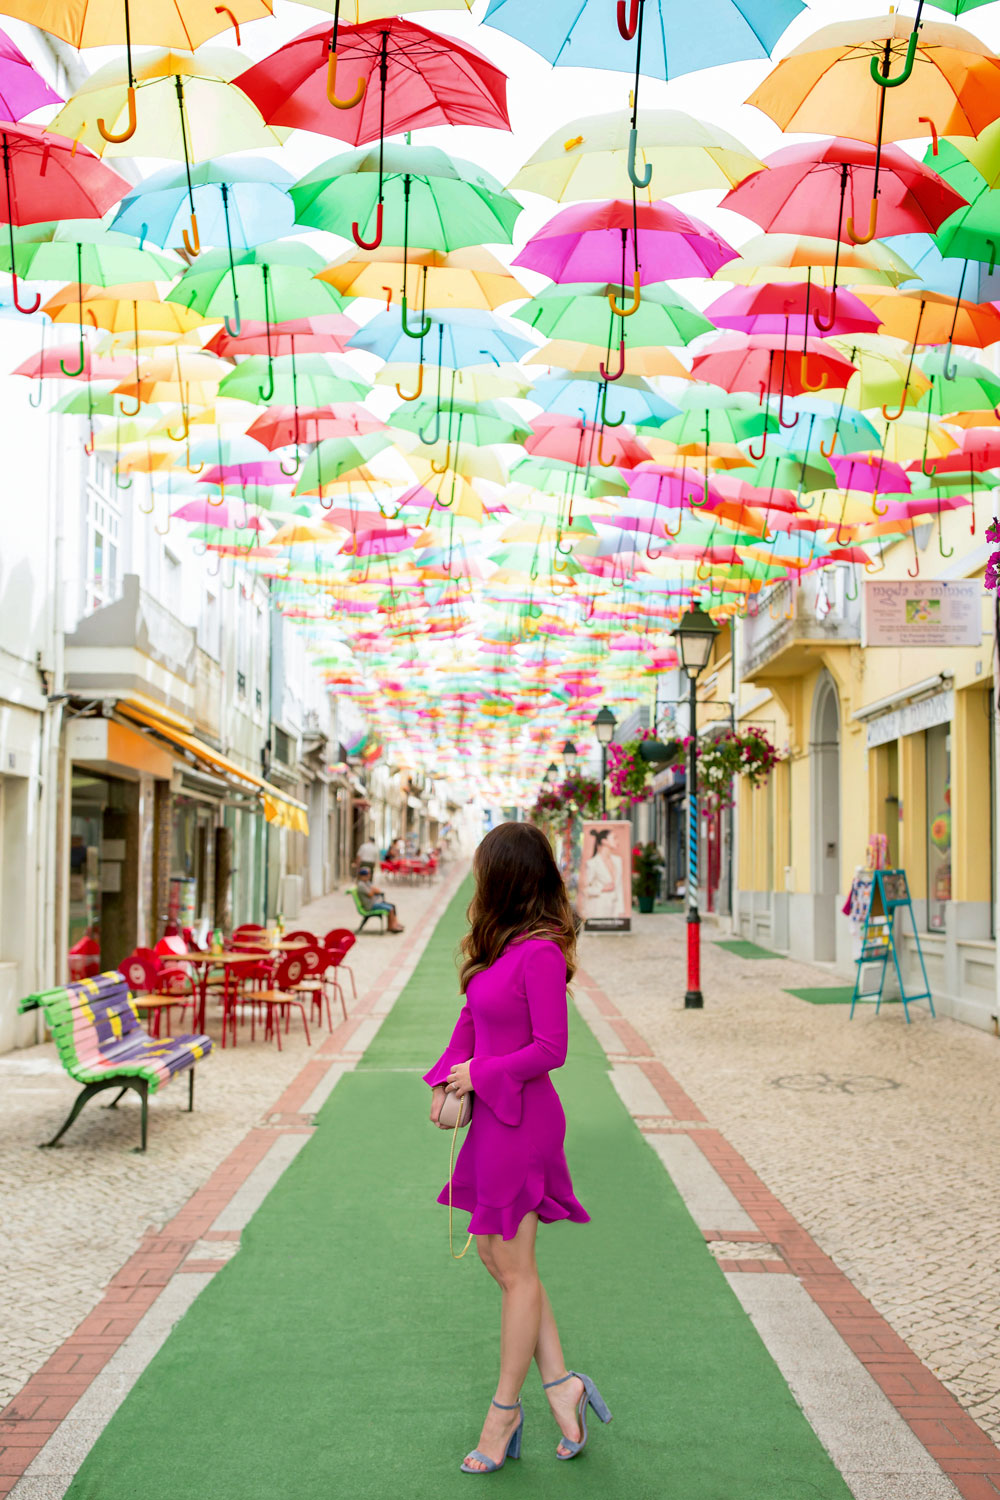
(455, 1112)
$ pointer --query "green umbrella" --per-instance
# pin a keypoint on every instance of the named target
(74, 250)
(93, 401)
(726, 424)
(299, 380)
(482, 423)
(449, 203)
(336, 456)
(972, 388)
(581, 315)
(554, 476)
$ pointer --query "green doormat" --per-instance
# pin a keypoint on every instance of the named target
(341, 1355)
(743, 949)
(830, 994)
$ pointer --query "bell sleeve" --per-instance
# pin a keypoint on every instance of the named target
(499, 1081)
(459, 1049)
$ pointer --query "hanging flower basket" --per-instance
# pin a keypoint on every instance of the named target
(747, 753)
(632, 764)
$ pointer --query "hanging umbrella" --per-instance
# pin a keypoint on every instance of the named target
(936, 273)
(635, 400)
(587, 159)
(22, 89)
(470, 277)
(483, 422)
(799, 257)
(381, 77)
(324, 333)
(239, 201)
(580, 313)
(80, 247)
(281, 426)
(681, 39)
(769, 308)
(584, 358)
(587, 242)
(470, 337)
(311, 379)
(46, 177)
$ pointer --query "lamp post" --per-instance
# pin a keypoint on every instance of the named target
(551, 773)
(570, 755)
(604, 727)
(695, 635)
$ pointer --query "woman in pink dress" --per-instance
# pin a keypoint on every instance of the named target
(511, 1173)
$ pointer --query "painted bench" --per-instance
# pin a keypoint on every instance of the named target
(102, 1044)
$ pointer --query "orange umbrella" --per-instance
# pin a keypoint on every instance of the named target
(930, 318)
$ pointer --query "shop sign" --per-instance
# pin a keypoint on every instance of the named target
(923, 612)
(912, 718)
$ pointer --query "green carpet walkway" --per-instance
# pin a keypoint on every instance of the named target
(342, 1355)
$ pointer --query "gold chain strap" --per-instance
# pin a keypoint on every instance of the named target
(451, 1170)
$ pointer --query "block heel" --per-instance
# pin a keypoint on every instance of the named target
(591, 1397)
(512, 1450)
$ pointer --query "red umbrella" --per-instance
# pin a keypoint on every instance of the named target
(423, 79)
(47, 365)
(767, 365)
(49, 177)
(767, 309)
(557, 435)
(280, 426)
(324, 334)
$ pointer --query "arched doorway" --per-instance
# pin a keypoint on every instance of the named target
(824, 753)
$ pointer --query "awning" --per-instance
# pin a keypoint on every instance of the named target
(279, 808)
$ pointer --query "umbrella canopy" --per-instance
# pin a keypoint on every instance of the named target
(22, 89)
(161, 23)
(801, 257)
(775, 307)
(463, 337)
(581, 313)
(240, 201)
(324, 333)
(401, 74)
(591, 242)
(462, 278)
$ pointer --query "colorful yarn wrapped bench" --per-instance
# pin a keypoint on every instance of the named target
(102, 1045)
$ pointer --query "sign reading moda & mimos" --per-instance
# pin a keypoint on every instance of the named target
(923, 612)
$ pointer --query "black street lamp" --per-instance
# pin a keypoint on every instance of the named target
(570, 755)
(551, 773)
(695, 636)
(604, 727)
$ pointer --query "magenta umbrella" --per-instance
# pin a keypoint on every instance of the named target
(870, 475)
(257, 472)
(595, 242)
(221, 513)
(22, 89)
(766, 309)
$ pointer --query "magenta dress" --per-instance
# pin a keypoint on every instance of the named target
(513, 1027)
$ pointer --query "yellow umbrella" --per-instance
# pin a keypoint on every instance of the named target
(587, 159)
(135, 307)
(188, 108)
(798, 257)
(826, 82)
(909, 438)
(158, 23)
(883, 369)
(153, 338)
(295, 533)
(565, 355)
(353, 12)
(463, 278)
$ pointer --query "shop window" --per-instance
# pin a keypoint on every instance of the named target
(938, 753)
(103, 522)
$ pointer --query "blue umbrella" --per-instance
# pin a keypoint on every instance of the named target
(240, 201)
(944, 274)
(469, 337)
(635, 400)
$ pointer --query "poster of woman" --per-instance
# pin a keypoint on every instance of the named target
(604, 897)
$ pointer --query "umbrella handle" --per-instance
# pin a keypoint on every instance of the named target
(865, 239)
(267, 395)
(758, 457)
(915, 571)
(628, 20)
(429, 442)
(878, 510)
(186, 428)
(72, 374)
(196, 469)
(118, 481)
(605, 375)
(828, 452)
(818, 321)
(369, 244)
(605, 419)
(192, 245)
(124, 413)
(129, 131)
(419, 333)
(893, 83)
(853, 575)
(608, 463)
(296, 466)
(950, 370)
(895, 418)
(680, 523)
(234, 328)
(223, 10)
(331, 86)
(444, 466)
(926, 120)
(633, 146)
(807, 384)
(38, 296)
(626, 312)
(420, 386)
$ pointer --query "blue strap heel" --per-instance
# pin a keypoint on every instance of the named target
(513, 1448)
(591, 1397)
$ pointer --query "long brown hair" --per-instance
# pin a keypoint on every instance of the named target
(519, 894)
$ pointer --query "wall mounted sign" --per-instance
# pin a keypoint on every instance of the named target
(923, 612)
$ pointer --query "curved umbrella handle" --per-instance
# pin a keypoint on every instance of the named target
(430, 441)
(38, 296)
(926, 120)
(828, 326)
(268, 395)
(443, 468)
(223, 10)
(878, 510)
(418, 333)
(865, 239)
(165, 528)
(702, 577)
(628, 20)
(893, 83)
(758, 457)
(72, 374)
(124, 413)
(633, 146)
(88, 448)
(626, 312)
(914, 572)
(147, 510)
(129, 131)
(605, 375)
(420, 386)
(605, 419)
(234, 328)
(781, 412)
(296, 466)
(196, 469)
(185, 430)
(605, 463)
(192, 245)
(331, 86)
(807, 384)
(369, 244)
(949, 370)
(895, 418)
(828, 452)
(118, 481)
(680, 523)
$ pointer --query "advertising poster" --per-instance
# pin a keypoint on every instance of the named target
(604, 893)
(923, 612)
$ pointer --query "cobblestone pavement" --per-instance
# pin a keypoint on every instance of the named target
(72, 1216)
(881, 1138)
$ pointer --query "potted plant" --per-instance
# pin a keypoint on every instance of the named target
(647, 865)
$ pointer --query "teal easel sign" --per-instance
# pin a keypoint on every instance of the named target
(881, 940)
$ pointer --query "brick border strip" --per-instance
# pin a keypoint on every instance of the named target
(953, 1439)
(47, 1397)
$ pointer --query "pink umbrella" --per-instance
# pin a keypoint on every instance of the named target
(978, 450)
(47, 364)
(324, 334)
(280, 426)
(594, 242)
(869, 474)
(22, 89)
(378, 543)
(560, 436)
(772, 308)
(204, 513)
(661, 485)
(257, 472)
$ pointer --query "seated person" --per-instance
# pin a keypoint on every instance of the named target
(372, 899)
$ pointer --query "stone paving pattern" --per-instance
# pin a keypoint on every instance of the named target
(881, 1139)
(73, 1216)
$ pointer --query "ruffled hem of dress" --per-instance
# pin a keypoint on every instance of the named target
(505, 1221)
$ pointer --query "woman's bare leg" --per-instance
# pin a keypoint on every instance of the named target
(565, 1398)
(512, 1264)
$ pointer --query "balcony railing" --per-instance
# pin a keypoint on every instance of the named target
(819, 609)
